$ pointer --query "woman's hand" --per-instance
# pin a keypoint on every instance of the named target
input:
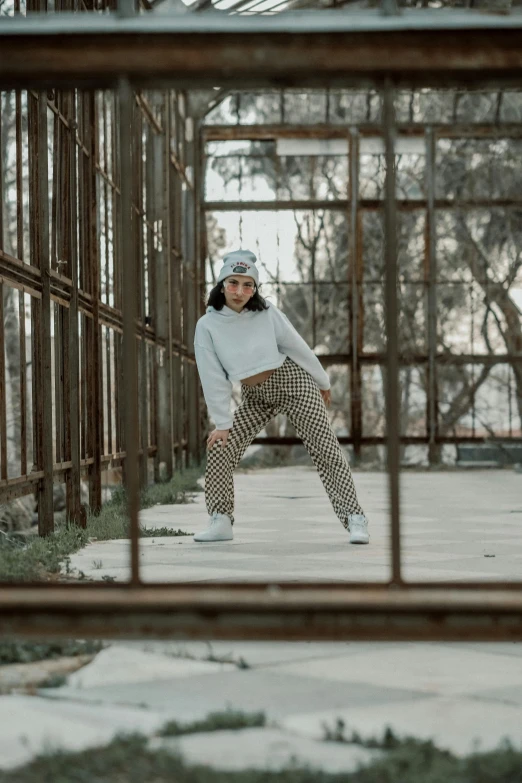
(326, 394)
(217, 435)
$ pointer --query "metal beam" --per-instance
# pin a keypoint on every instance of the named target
(269, 132)
(334, 611)
(322, 48)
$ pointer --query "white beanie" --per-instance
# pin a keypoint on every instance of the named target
(239, 262)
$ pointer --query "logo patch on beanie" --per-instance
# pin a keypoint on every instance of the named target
(241, 268)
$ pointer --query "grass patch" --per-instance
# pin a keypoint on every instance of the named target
(37, 559)
(215, 721)
(42, 650)
(210, 656)
(128, 759)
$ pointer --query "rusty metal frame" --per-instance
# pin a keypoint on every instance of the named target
(70, 284)
(324, 50)
(354, 207)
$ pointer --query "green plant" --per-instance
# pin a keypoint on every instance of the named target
(15, 651)
(215, 721)
(35, 559)
(128, 759)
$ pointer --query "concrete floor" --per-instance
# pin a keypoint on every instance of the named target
(456, 525)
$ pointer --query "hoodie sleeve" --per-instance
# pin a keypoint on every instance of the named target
(217, 389)
(292, 344)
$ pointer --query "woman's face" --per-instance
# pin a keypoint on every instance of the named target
(238, 289)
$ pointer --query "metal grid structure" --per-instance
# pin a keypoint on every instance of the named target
(63, 258)
(130, 55)
(344, 220)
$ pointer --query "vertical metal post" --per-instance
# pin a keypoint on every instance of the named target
(431, 304)
(125, 97)
(190, 257)
(195, 447)
(177, 277)
(163, 295)
(96, 392)
(73, 482)
(392, 365)
(21, 299)
(137, 140)
(200, 306)
(355, 373)
(107, 332)
(55, 258)
(45, 401)
(3, 401)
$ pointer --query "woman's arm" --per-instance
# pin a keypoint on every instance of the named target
(217, 389)
(292, 344)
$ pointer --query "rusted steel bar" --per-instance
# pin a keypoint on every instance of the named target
(507, 130)
(129, 318)
(73, 346)
(23, 383)
(42, 394)
(2, 185)
(21, 296)
(3, 400)
(104, 129)
(96, 395)
(276, 611)
(365, 204)
(164, 296)
(318, 48)
(431, 298)
(391, 312)
(32, 103)
(118, 281)
(176, 276)
(64, 279)
(84, 274)
(191, 302)
(56, 263)
(152, 263)
(356, 299)
(140, 289)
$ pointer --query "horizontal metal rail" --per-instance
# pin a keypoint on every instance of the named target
(269, 132)
(376, 612)
(325, 48)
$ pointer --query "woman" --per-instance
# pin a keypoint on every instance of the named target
(242, 337)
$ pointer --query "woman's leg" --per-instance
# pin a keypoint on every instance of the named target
(250, 417)
(305, 408)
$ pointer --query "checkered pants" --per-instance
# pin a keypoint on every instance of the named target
(290, 390)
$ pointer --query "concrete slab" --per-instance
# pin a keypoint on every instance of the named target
(31, 724)
(431, 668)
(122, 664)
(259, 655)
(273, 691)
(460, 726)
(266, 750)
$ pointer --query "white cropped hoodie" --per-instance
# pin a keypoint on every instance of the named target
(230, 346)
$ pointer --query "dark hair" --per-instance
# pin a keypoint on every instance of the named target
(216, 299)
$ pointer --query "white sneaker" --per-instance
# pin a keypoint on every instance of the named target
(220, 529)
(358, 526)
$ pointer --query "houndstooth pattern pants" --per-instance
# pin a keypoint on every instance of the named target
(290, 390)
